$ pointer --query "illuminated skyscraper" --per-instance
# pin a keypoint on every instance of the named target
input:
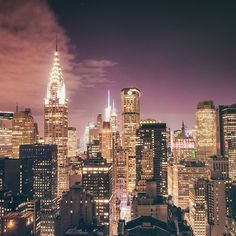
(227, 133)
(56, 121)
(198, 207)
(114, 120)
(130, 108)
(206, 130)
(22, 130)
(183, 145)
(106, 141)
(151, 155)
(184, 175)
(39, 181)
(97, 179)
(72, 142)
(108, 108)
(6, 119)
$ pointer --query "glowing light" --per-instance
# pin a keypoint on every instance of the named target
(56, 86)
(11, 224)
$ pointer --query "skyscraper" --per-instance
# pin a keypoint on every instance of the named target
(6, 133)
(22, 130)
(151, 155)
(106, 141)
(206, 130)
(56, 121)
(183, 145)
(198, 207)
(72, 142)
(97, 179)
(108, 108)
(130, 109)
(227, 136)
(39, 181)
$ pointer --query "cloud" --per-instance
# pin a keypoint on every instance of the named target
(27, 42)
(92, 72)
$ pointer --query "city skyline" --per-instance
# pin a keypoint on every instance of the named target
(117, 118)
(168, 61)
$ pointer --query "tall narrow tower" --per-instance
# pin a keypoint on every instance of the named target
(108, 108)
(130, 107)
(56, 121)
(206, 130)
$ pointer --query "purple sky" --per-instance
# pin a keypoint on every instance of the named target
(176, 53)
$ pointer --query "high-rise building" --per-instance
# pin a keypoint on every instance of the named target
(22, 130)
(151, 155)
(10, 174)
(106, 141)
(97, 179)
(77, 209)
(72, 142)
(206, 130)
(183, 145)
(56, 121)
(184, 175)
(198, 207)
(130, 109)
(227, 136)
(6, 133)
(39, 181)
(108, 109)
(113, 119)
(218, 205)
(219, 167)
(93, 149)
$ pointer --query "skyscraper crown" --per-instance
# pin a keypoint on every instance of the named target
(56, 86)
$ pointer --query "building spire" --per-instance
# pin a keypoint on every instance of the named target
(56, 43)
(108, 98)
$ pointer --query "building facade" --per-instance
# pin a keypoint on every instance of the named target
(227, 136)
(22, 130)
(151, 155)
(130, 109)
(206, 130)
(97, 179)
(6, 120)
(56, 122)
(39, 181)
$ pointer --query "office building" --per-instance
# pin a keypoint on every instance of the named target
(227, 136)
(105, 140)
(218, 205)
(22, 130)
(151, 155)
(93, 149)
(72, 142)
(183, 145)
(198, 207)
(10, 174)
(219, 167)
(130, 109)
(206, 130)
(56, 121)
(78, 209)
(184, 175)
(39, 181)
(97, 179)
(6, 133)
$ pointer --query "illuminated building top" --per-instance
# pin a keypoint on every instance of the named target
(108, 108)
(56, 86)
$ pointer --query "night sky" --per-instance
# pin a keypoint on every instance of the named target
(176, 52)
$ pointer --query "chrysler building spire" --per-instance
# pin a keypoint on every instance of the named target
(56, 86)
